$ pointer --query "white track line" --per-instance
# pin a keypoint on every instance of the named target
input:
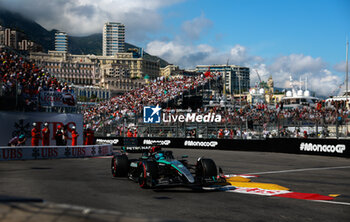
(300, 170)
(332, 202)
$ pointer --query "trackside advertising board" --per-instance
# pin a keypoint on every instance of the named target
(53, 152)
(17, 123)
(325, 147)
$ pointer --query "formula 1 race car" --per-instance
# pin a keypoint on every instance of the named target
(159, 169)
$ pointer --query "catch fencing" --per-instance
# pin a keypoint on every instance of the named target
(239, 129)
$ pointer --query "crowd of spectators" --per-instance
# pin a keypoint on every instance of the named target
(131, 103)
(24, 80)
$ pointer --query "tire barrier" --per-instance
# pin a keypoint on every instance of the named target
(325, 147)
(54, 152)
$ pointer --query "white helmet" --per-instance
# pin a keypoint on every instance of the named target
(73, 127)
(46, 124)
(34, 124)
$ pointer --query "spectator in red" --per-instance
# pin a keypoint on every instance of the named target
(74, 136)
(46, 135)
(305, 135)
(35, 135)
(221, 134)
(135, 133)
(129, 133)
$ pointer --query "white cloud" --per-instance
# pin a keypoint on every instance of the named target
(190, 55)
(320, 79)
(180, 54)
(83, 17)
(297, 63)
(340, 67)
(194, 28)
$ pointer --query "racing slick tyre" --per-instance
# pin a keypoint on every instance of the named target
(206, 168)
(148, 173)
(120, 166)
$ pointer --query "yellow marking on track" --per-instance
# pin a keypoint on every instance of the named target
(237, 179)
(334, 195)
(266, 186)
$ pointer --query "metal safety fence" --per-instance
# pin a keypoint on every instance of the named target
(239, 129)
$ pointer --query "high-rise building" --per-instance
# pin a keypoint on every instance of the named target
(61, 42)
(113, 38)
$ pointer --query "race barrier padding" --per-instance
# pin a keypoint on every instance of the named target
(54, 152)
(326, 147)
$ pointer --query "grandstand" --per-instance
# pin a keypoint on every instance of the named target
(22, 82)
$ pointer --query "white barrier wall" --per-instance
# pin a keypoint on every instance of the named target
(12, 123)
(53, 152)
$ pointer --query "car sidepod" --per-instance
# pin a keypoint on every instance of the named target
(180, 169)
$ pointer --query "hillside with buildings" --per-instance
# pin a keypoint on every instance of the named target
(84, 45)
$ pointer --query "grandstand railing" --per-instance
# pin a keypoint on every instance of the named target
(254, 130)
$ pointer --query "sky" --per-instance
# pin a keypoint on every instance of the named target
(281, 38)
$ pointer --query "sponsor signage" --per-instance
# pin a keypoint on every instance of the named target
(327, 147)
(153, 114)
(137, 148)
(201, 143)
(17, 123)
(53, 152)
(156, 142)
(114, 142)
(310, 147)
(54, 98)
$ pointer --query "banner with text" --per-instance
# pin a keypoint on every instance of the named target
(325, 147)
(54, 152)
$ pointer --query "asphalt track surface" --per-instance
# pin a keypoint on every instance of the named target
(89, 183)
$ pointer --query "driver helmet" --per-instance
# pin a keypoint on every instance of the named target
(159, 156)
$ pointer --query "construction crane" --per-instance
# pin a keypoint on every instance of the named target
(257, 73)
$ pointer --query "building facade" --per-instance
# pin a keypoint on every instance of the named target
(28, 45)
(170, 70)
(113, 38)
(116, 77)
(236, 78)
(61, 42)
(10, 37)
(70, 68)
(118, 73)
(17, 40)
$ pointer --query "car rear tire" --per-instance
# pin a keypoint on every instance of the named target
(120, 166)
(148, 172)
(206, 168)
